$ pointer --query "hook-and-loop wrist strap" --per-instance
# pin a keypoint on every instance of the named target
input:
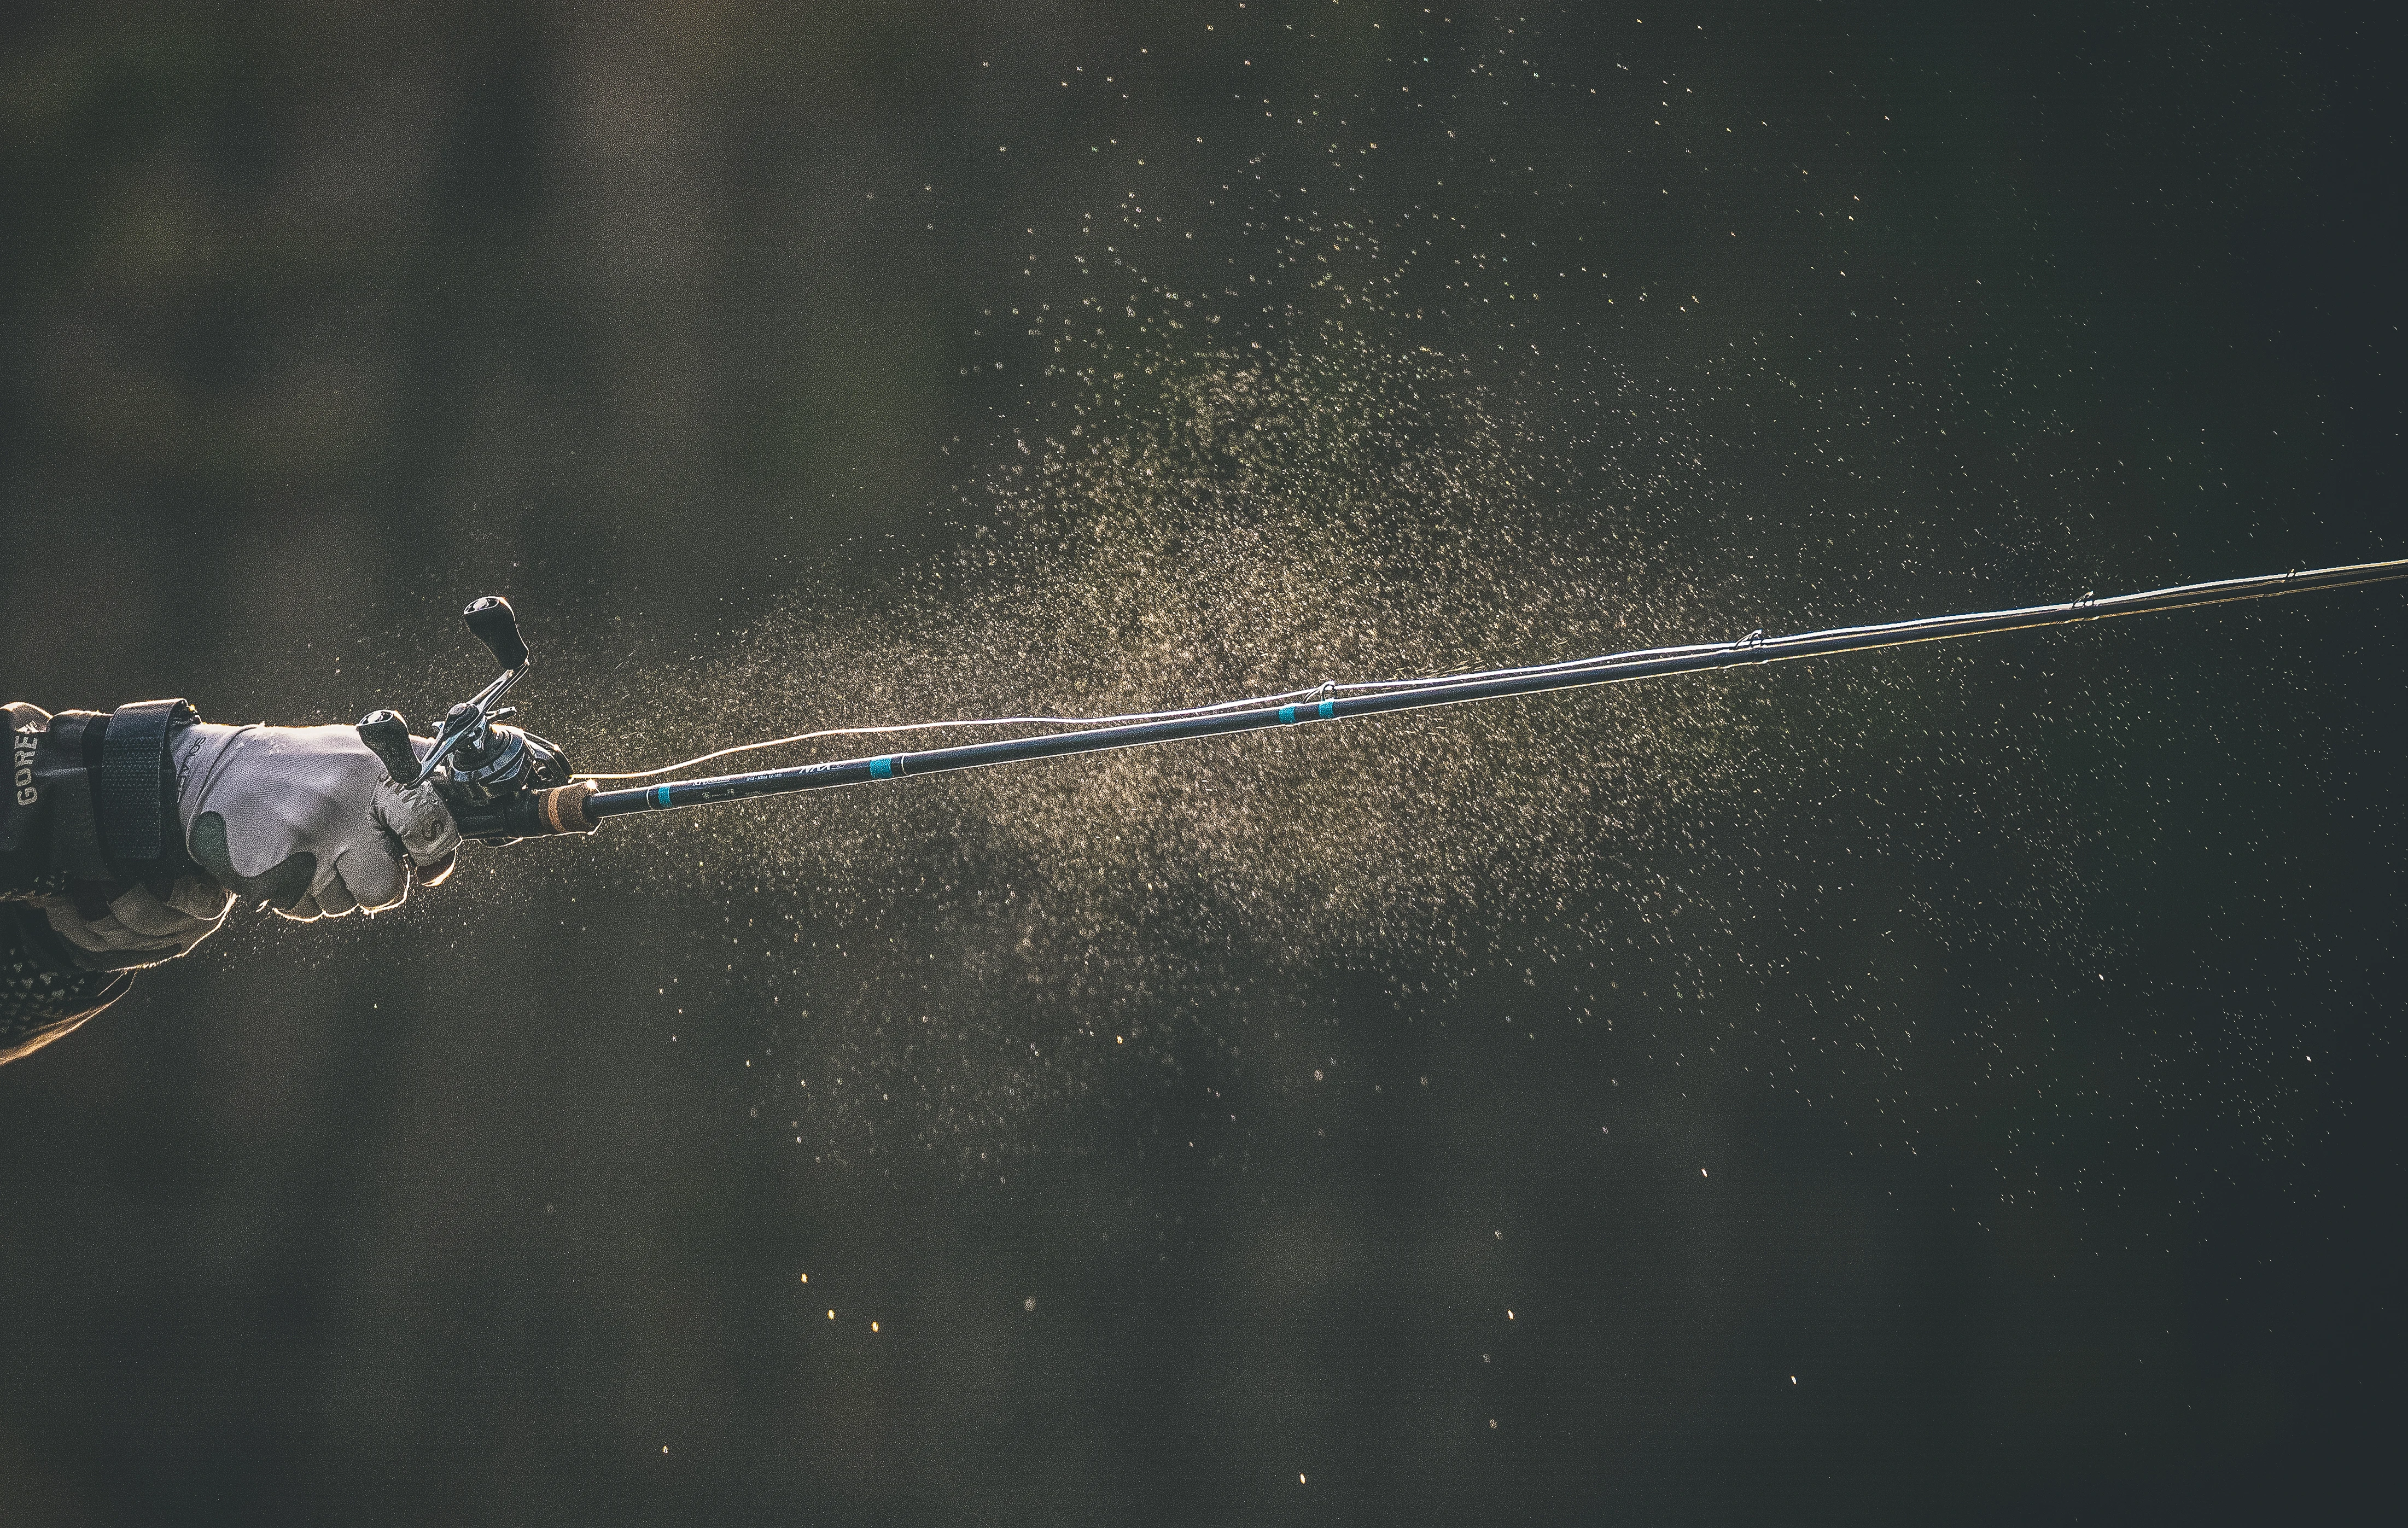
(137, 789)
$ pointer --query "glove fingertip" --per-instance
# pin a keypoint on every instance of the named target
(381, 903)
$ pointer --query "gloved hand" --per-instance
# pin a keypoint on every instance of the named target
(306, 820)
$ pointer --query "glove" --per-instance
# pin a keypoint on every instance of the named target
(306, 820)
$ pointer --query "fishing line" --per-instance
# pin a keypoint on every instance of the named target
(978, 722)
(1327, 687)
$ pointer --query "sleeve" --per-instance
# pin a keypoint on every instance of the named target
(43, 992)
(90, 812)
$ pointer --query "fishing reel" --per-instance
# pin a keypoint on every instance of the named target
(500, 784)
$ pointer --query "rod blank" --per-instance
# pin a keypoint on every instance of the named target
(1610, 669)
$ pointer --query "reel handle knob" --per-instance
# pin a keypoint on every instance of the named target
(498, 626)
(387, 737)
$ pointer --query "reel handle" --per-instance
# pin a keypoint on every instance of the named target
(496, 625)
(387, 737)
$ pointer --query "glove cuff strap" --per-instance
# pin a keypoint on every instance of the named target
(137, 790)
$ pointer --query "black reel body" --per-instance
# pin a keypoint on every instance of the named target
(492, 768)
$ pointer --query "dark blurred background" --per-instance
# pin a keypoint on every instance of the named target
(1960, 1087)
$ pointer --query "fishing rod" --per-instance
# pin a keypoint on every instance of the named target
(503, 784)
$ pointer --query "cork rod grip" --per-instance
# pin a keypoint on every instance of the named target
(563, 810)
